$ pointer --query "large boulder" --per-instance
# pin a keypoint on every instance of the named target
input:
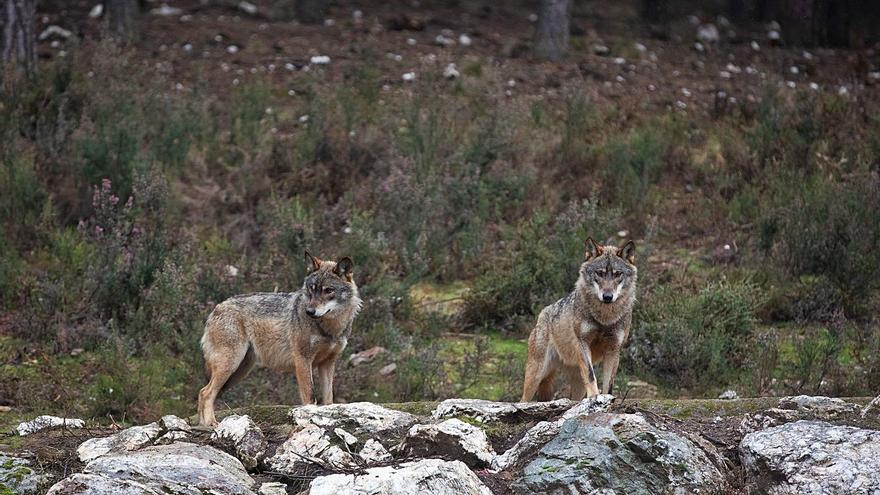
(126, 440)
(241, 436)
(309, 447)
(619, 454)
(179, 468)
(47, 422)
(451, 439)
(17, 476)
(357, 417)
(819, 407)
(544, 431)
(813, 457)
(434, 476)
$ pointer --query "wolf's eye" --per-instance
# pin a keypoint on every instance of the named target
(328, 290)
(617, 274)
(600, 273)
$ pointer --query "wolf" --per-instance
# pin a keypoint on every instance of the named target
(586, 327)
(302, 332)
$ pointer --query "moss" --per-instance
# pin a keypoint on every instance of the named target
(421, 408)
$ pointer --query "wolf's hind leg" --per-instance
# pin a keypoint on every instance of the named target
(222, 363)
(545, 388)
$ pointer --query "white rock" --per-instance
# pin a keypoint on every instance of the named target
(126, 440)
(345, 436)
(247, 8)
(533, 17)
(97, 11)
(708, 33)
(774, 35)
(813, 457)
(165, 10)
(356, 416)
(374, 452)
(309, 446)
(320, 60)
(232, 49)
(44, 422)
(486, 410)
(443, 40)
(451, 72)
(232, 271)
(814, 86)
(755, 46)
(433, 476)
(728, 394)
(54, 30)
(453, 439)
(244, 436)
(819, 406)
(464, 40)
(273, 488)
(409, 76)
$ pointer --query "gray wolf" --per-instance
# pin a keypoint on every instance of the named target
(302, 332)
(586, 327)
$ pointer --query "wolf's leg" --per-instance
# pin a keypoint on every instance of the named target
(609, 369)
(303, 367)
(578, 388)
(326, 371)
(545, 388)
(588, 374)
(531, 380)
(222, 363)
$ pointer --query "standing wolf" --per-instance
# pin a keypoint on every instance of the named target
(296, 331)
(586, 327)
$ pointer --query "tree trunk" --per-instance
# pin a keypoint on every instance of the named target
(311, 11)
(123, 19)
(19, 40)
(552, 32)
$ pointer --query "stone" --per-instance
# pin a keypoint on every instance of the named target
(487, 411)
(452, 439)
(18, 477)
(543, 432)
(240, 435)
(126, 440)
(619, 453)
(818, 406)
(813, 457)
(728, 395)
(374, 453)
(434, 476)
(308, 447)
(45, 422)
(365, 356)
(357, 417)
(273, 488)
(179, 468)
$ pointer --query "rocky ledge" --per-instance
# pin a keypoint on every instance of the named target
(803, 445)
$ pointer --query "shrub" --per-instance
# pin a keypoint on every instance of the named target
(694, 340)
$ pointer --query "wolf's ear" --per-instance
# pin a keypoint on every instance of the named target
(593, 250)
(315, 262)
(343, 267)
(628, 252)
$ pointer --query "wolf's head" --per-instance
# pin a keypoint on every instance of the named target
(329, 287)
(609, 272)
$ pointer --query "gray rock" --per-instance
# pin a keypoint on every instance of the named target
(179, 468)
(358, 417)
(46, 422)
(544, 431)
(452, 439)
(273, 488)
(374, 453)
(487, 411)
(619, 454)
(729, 395)
(813, 457)
(240, 435)
(17, 476)
(434, 476)
(126, 440)
(818, 406)
(309, 447)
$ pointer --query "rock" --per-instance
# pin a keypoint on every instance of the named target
(619, 453)
(409, 76)
(247, 8)
(818, 406)
(452, 439)
(601, 50)
(365, 356)
(487, 410)
(451, 72)
(243, 437)
(180, 468)
(729, 395)
(374, 452)
(464, 40)
(320, 60)
(708, 33)
(44, 422)
(165, 10)
(97, 11)
(126, 440)
(761, 420)
(360, 418)
(175, 429)
(434, 476)
(388, 369)
(17, 477)
(809, 457)
(345, 436)
(638, 389)
(544, 431)
(273, 488)
(309, 447)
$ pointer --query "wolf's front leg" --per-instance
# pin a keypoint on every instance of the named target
(303, 368)
(588, 374)
(609, 369)
(326, 371)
